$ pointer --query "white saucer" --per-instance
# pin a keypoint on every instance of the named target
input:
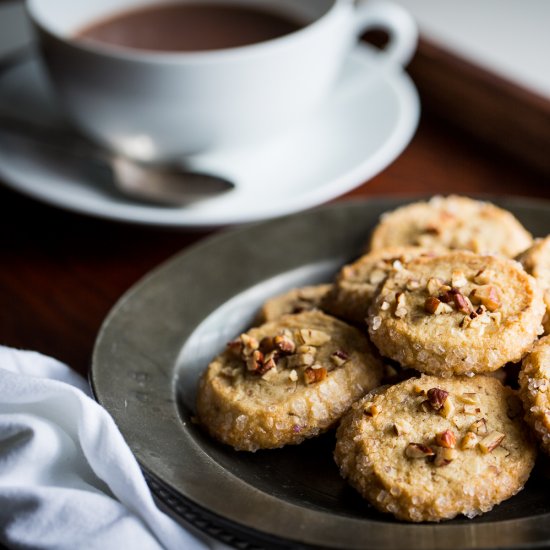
(364, 126)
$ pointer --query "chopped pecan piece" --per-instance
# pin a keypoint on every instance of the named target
(314, 375)
(249, 345)
(486, 295)
(267, 344)
(471, 410)
(418, 450)
(435, 306)
(469, 441)
(446, 439)
(470, 398)
(446, 294)
(491, 441)
(444, 456)
(306, 349)
(484, 276)
(235, 347)
(254, 362)
(413, 284)
(269, 362)
(313, 337)
(339, 357)
(465, 322)
(458, 279)
(284, 344)
(479, 427)
(437, 398)
(433, 285)
(267, 373)
(448, 408)
(460, 302)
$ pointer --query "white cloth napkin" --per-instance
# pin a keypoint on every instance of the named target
(67, 477)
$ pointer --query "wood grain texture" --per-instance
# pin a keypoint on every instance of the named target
(61, 273)
(488, 108)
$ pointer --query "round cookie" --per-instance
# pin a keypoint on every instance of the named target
(356, 284)
(465, 314)
(534, 384)
(295, 300)
(286, 381)
(536, 261)
(432, 448)
(452, 223)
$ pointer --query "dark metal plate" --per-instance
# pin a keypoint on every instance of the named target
(161, 335)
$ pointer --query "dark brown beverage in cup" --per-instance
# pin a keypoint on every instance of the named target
(188, 27)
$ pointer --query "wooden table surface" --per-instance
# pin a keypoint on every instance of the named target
(61, 273)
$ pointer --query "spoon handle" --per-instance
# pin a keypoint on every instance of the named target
(65, 141)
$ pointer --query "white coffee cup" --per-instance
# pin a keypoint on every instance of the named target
(162, 105)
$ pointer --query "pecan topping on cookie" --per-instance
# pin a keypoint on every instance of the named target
(448, 408)
(486, 295)
(461, 303)
(312, 337)
(418, 450)
(491, 441)
(269, 362)
(433, 285)
(444, 456)
(458, 279)
(312, 375)
(255, 361)
(235, 347)
(469, 441)
(339, 357)
(249, 345)
(435, 306)
(413, 284)
(479, 427)
(284, 343)
(470, 398)
(446, 439)
(484, 276)
(437, 398)
(471, 410)
(267, 344)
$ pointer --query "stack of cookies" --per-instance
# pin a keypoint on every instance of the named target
(405, 352)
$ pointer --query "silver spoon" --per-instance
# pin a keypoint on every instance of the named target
(158, 183)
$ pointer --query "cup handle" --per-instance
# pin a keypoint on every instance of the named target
(394, 19)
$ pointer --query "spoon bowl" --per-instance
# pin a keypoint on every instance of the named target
(165, 184)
